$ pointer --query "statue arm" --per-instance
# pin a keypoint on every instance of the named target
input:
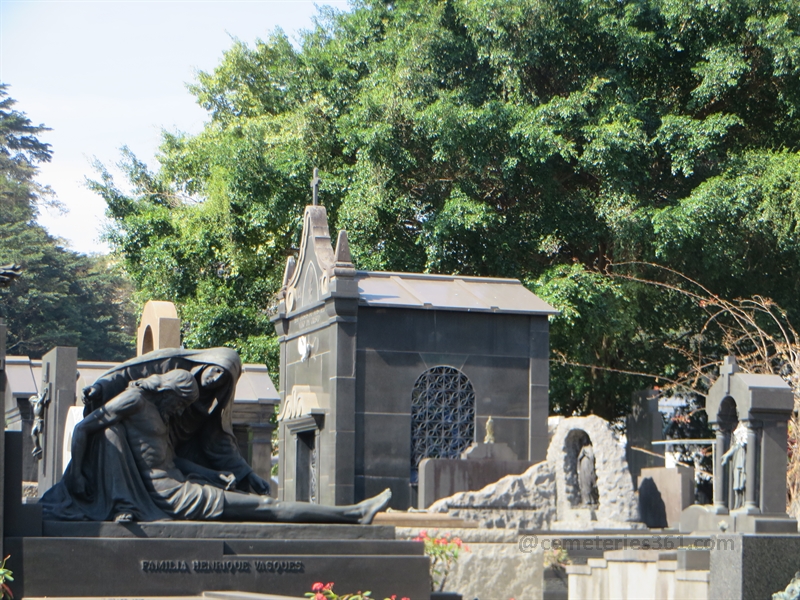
(223, 452)
(727, 456)
(188, 467)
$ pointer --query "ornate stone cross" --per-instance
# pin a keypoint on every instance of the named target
(315, 186)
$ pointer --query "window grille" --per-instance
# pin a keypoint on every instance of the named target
(442, 416)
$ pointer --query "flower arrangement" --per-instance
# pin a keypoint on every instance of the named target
(443, 551)
(320, 591)
(557, 558)
(5, 575)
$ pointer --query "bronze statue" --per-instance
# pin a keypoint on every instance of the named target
(38, 404)
(203, 433)
(124, 467)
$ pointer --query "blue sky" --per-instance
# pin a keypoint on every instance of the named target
(104, 73)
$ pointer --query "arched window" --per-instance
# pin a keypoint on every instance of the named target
(442, 416)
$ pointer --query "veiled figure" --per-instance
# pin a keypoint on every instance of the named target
(203, 434)
(124, 466)
(587, 476)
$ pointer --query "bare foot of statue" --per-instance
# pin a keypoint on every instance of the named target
(123, 517)
(372, 506)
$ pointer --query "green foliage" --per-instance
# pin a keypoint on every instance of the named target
(320, 591)
(536, 139)
(5, 576)
(443, 551)
(62, 297)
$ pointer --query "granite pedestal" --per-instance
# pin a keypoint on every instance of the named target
(180, 558)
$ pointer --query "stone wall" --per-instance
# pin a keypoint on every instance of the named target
(545, 497)
(494, 568)
(524, 501)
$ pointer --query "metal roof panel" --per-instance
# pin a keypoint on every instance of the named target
(448, 292)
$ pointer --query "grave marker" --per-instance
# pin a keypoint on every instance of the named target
(56, 396)
(763, 405)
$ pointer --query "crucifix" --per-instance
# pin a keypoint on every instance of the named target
(315, 186)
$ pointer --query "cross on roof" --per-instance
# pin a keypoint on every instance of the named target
(728, 367)
(315, 186)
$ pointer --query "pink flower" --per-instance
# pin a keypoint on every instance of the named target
(329, 586)
(319, 596)
(317, 587)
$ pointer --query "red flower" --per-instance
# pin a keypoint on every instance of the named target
(319, 596)
(329, 585)
(317, 587)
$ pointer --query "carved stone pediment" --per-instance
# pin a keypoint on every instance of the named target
(318, 269)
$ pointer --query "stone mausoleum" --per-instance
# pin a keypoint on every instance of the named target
(380, 370)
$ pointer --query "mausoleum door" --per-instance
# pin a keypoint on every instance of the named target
(307, 461)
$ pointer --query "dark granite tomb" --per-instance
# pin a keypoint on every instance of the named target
(186, 558)
(380, 370)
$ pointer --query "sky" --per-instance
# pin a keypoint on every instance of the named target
(103, 74)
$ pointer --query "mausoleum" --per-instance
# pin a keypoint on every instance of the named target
(380, 370)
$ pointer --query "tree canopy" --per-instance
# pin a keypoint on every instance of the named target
(546, 140)
(62, 297)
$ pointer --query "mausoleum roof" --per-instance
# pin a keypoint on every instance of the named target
(448, 292)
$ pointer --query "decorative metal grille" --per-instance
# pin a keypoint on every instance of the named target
(442, 416)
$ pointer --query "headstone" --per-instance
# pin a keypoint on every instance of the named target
(663, 495)
(747, 565)
(21, 385)
(159, 327)
(749, 414)
(440, 478)
(643, 426)
(253, 408)
(51, 407)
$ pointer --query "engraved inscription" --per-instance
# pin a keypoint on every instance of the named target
(165, 566)
(222, 566)
(309, 319)
(280, 566)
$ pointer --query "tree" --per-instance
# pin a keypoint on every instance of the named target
(539, 139)
(61, 297)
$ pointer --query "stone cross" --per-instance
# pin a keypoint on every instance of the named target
(315, 186)
(59, 371)
(728, 367)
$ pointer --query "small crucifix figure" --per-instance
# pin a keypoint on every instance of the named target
(315, 186)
